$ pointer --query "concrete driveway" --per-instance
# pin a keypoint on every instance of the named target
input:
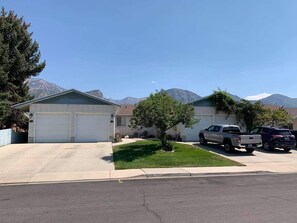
(275, 161)
(53, 162)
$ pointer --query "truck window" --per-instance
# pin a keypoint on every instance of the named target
(211, 128)
(231, 129)
(216, 128)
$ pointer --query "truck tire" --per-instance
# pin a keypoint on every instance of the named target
(287, 150)
(266, 146)
(202, 140)
(228, 147)
(250, 150)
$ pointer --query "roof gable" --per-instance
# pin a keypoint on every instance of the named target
(66, 97)
(203, 102)
(73, 98)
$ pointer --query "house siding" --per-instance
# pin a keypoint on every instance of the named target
(73, 98)
(72, 109)
(127, 131)
(295, 123)
(207, 111)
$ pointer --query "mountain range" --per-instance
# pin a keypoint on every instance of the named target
(39, 88)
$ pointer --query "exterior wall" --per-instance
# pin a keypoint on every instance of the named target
(216, 118)
(127, 131)
(72, 109)
(295, 123)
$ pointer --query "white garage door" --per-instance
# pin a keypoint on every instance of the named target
(192, 134)
(92, 127)
(52, 127)
(223, 119)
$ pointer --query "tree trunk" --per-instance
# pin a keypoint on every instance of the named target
(164, 143)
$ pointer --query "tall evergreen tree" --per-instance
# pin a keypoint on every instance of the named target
(19, 60)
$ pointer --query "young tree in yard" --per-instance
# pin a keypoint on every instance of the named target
(251, 114)
(163, 112)
(279, 117)
(19, 60)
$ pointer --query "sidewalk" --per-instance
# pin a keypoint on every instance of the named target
(110, 175)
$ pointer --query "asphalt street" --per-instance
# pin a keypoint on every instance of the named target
(258, 198)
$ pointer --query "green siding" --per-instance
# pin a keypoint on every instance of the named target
(73, 98)
(203, 103)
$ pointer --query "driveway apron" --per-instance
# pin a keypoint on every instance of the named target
(21, 162)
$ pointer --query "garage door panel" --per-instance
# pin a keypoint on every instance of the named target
(92, 127)
(52, 127)
(204, 122)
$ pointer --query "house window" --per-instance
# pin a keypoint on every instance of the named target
(121, 121)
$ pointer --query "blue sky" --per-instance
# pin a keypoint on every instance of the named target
(134, 47)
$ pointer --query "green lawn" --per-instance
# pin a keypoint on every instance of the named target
(147, 154)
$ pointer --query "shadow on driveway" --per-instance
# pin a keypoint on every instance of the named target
(220, 150)
(273, 151)
(108, 159)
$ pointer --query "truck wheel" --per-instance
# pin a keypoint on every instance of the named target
(250, 150)
(228, 147)
(287, 150)
(266, 146)
(202, 140)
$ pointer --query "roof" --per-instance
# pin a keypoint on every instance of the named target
(126, 110)
(25, 105)
(203, 102)
(291, 111)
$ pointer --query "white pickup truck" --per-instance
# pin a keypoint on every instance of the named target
(231, 137)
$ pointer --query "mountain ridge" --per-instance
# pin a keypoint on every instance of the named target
(39, 87)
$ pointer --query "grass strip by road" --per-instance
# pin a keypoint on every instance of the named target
(147, 154)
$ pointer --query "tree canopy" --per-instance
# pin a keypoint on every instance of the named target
(163, 112)
(19, 60)
(249, 114)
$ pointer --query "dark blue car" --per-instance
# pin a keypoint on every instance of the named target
(294, 132)
(276, 138)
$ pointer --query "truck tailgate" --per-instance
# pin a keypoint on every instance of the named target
(250, 139)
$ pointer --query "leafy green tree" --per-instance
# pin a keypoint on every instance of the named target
(251, 114)
(223, 102)
(279, 117)
(163, 112)
(19, 60)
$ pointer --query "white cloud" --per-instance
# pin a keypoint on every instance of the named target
(153, 82)
(258, 96)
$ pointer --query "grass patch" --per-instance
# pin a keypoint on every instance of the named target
(147, 154)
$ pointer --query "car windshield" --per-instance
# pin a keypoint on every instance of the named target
(282, 132)
(231, 129)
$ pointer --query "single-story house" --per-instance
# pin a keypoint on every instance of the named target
(123, 117)
(70, 116)
(206, 115)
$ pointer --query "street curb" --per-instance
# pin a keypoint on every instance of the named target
(152, 175)
(143, 177)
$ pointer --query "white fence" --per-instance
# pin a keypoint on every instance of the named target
(7, 136)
